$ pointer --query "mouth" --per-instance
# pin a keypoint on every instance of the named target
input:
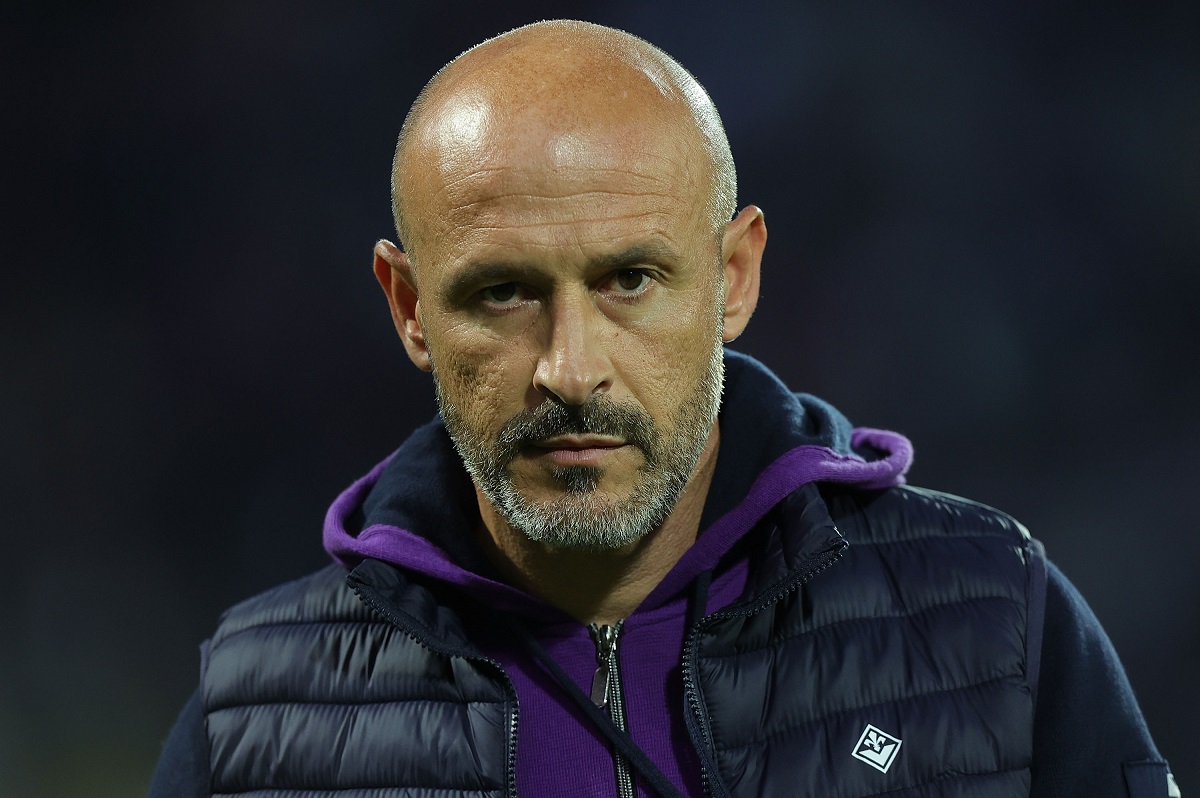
(577, 450)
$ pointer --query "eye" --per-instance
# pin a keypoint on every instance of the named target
(502, 294)
(630, 281)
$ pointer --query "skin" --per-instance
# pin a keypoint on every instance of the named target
(564, 247)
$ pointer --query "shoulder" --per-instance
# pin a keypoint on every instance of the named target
(275, 646)
(911, 513)
(320, 596)
(923, 548)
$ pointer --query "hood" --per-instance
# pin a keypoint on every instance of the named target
(417, 509)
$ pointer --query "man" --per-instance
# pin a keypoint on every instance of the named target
(625, 561)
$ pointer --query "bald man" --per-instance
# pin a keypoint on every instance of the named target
(624, 560)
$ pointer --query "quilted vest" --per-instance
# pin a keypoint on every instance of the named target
(903, 663)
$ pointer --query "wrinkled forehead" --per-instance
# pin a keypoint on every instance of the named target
(471, 132)
(474, 155)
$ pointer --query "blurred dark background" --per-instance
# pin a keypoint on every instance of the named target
(984, 234)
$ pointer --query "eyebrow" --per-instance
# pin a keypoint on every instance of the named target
(644, 252)
(488, 272)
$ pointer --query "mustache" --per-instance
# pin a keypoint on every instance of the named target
(598, 416)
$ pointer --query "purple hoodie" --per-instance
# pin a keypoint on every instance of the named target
(417, 511)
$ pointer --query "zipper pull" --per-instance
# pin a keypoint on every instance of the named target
(606, 645)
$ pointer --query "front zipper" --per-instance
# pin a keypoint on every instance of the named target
(696, 718)
(606, 692)
(381, 608)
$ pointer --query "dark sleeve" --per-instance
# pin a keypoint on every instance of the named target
(1089, 735)
(183, 769)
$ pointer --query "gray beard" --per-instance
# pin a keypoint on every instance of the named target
(582, 519)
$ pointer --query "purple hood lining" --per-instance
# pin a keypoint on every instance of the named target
(797, 467)
(398, 546)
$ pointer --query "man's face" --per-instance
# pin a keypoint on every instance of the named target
(571, 299)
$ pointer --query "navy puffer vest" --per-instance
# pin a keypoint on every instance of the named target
(903, 663)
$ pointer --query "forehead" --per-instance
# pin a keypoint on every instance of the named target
(545, 180)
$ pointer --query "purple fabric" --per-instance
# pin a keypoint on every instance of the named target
(797, 467)
(883, 473)
(341, 545)
(560, 753)
(414, 553)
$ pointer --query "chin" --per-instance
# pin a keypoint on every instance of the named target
(591, 521)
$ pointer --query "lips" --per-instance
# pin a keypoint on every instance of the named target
(579, 450)
(580, 442)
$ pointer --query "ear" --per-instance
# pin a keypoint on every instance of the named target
(399, 284)
(741, 252)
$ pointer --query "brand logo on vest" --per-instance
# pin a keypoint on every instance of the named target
(877, 748)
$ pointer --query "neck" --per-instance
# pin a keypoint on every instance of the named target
(601, 587)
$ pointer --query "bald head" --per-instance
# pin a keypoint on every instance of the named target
(541, 94)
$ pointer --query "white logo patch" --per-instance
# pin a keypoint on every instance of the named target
(877, 748)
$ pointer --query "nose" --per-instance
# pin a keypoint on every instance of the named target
(574, 364)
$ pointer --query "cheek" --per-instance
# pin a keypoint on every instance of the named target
(669, 354)
(483, 380)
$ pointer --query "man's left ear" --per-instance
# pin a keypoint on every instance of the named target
(741, 251)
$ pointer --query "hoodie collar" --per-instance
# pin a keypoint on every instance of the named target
(418, 510)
